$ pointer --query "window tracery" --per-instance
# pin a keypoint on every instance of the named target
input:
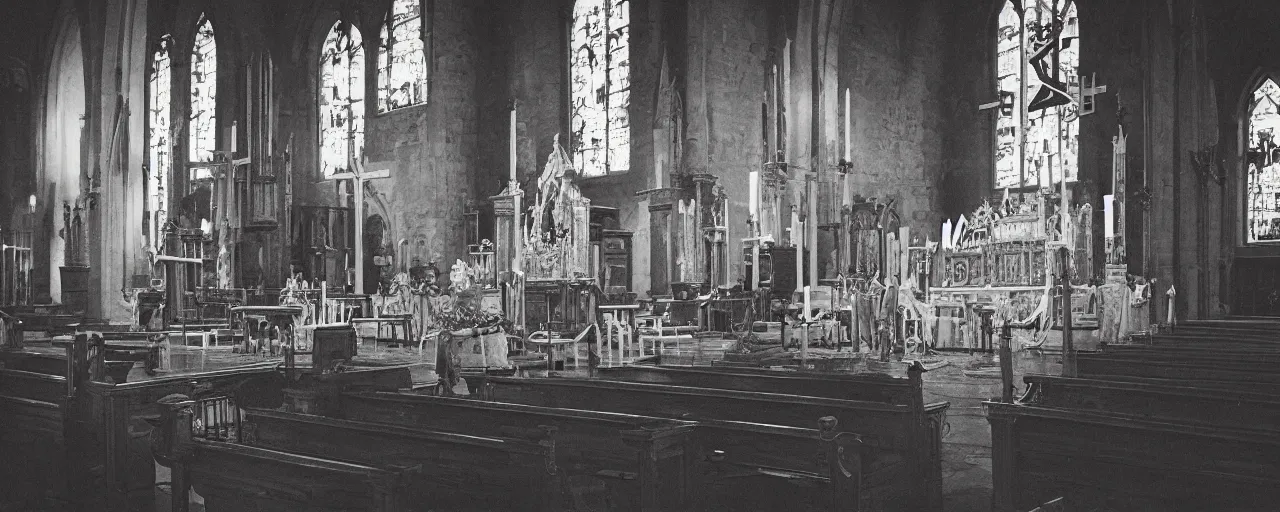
(342, 106)
(159, 159)
(1038, 127)
(402, 62)
(203, 117)
(600, 86)
(1262, 188)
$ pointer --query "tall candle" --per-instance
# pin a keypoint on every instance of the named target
(233, 136)
(808, 308)
(946, 234)
(1173, 294)
(512, 149)
(753, 195)
(1109, 215)
(848, 149)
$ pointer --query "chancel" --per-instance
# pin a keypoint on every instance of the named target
(708, 255)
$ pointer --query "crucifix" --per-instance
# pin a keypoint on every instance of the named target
(358, 176)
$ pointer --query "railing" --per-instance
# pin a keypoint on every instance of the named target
(216, 419)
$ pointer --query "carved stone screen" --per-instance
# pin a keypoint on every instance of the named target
(203, 128)
(1262, 193)
(159, 158)
(1035, 147)
(402, 58)
(600, 65)
(341, 99)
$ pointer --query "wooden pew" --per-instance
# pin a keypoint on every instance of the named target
(647, 462)
(1118, 461)
(890, 433)
(413, 468)
(1239, 408)
(231, 476)
(1109, 365)
(868, 387)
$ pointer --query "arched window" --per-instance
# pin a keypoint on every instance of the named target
(203, 128)
(600, 66)
(402, 57)
(341, 99)
(1262, 192)
(1037, 72)
(159, 159)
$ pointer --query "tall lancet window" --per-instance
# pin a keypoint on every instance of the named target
(159, 159)
(1037, 72)
(402, 57)
(341, 99)
(1262, 192)
(203, 120)
(600, 67)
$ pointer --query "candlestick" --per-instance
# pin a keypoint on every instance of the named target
(848, 149)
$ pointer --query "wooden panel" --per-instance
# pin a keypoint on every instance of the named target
(873, 388)
(882, 427)
(457, 471)
(234, 478)
(1257, 286)
(36, 386)
(1093, 458)
(1234, 409)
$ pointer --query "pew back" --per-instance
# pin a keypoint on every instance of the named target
(452, 471)
(865, 387)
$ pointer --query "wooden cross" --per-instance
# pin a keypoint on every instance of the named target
(358, 175)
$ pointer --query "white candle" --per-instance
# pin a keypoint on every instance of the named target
(1109, 215)
(753, 195)
(513, 144)
(807, 305)
(1173, 294)
(946, 234)
(848, 149)
(233, 136)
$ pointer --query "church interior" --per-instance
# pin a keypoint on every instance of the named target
(589, 255)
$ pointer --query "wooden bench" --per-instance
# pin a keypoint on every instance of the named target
(871, 387)
(1119, 461)
(1238, 408)
(1109, 365)
(891, 434)
(420, 469)
(647, 463)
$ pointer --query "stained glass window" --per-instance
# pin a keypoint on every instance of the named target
(158, 146)
(341, 99)
(600, 66)
(1036, 147)
(402, 58)
(204, 90)
(1262, 195)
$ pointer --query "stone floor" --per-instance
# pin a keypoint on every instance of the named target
(966, 445)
